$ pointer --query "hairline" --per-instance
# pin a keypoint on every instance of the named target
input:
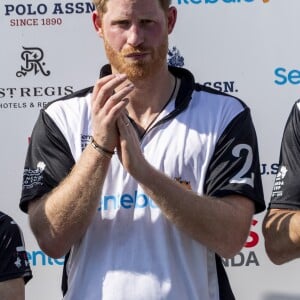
(100, 5)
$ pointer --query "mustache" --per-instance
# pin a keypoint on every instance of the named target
(135, 50)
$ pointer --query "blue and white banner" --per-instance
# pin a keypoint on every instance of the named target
(248, 48)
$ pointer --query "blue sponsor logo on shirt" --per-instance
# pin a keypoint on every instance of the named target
(126, 201)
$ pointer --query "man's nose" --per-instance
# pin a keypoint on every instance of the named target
(135, 35)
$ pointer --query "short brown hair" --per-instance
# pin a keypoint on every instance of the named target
(101, 5)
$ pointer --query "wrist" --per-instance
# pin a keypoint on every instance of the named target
(102, 150)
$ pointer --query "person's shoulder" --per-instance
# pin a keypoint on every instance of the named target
(191, 88)
(296, 105)
(8, 224)
(5, 218)
(218, 101)
(217, 94)
(294, 116)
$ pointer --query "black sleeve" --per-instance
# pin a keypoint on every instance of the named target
(13, 257)
(48, 161)
(286, 189)
(235, 166)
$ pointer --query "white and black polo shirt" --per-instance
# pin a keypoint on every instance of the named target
(204, 139)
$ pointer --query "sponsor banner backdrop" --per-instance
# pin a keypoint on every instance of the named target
(248, 48)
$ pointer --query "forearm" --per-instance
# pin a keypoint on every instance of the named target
(222, 224)
(281, 229)
(61, 217)
(13, 289)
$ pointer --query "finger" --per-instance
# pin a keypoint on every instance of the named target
(118, 109)
(104, 89)
(123, 123)
(125, 120)
(119, 95)
(99, 83)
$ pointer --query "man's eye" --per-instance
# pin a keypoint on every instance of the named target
(122, 23)
(146, 22)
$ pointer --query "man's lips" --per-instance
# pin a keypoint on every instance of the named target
(136, 55)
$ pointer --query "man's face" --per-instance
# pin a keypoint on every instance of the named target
(135, 34)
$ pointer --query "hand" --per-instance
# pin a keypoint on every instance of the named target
(107, 105)
(129, 149)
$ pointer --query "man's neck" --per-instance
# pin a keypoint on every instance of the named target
(149, 97)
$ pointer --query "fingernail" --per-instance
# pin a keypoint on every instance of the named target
(121, 76)
(130, 85)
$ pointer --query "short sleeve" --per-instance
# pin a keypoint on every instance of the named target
(235, 166)
(48, 161)
(13, 257)
(286, 188)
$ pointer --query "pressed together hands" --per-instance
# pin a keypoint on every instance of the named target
(111, 127)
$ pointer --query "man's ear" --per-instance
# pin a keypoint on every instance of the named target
(172, 17)
(97, 23)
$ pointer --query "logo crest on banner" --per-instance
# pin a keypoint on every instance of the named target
(33, 62)
(174, 58)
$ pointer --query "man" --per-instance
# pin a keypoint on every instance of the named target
(15, 270)
(281, 223)
(153, 220)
